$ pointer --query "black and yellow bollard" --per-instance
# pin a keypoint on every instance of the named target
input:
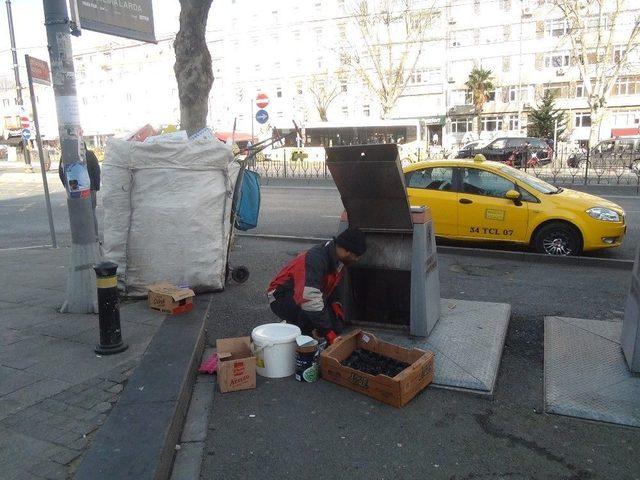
(108, 310)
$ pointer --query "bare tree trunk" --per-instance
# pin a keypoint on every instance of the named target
(597, 115)
(193, 64)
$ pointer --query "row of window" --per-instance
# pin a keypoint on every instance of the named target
(496, 123)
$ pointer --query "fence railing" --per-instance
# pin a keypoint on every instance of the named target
(566, 166)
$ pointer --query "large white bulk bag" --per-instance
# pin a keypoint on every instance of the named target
(167, 207)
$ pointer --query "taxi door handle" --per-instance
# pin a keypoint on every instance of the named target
(465, 201)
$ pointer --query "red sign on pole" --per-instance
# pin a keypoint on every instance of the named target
(39, 71)
(262, 100)
(25, 122)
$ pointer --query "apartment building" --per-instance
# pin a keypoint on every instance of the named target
(281, 48)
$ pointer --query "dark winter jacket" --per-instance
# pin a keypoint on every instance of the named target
(311, 278)
(93, 169)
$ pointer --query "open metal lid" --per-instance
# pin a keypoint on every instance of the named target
(371, 185)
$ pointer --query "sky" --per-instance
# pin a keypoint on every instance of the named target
(31, 38)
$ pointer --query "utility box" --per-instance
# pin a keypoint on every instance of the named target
(630, 339)
(396, 282)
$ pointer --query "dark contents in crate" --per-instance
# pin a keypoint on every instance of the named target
(374, 364)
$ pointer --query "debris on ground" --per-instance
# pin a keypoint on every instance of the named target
(374, 364)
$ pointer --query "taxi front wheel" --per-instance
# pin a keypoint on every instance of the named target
(558, 238)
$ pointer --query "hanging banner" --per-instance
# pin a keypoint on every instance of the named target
(123, 18)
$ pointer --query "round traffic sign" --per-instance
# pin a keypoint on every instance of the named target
(26, 134)
(25, 122)
(262, 116)
(262, 100)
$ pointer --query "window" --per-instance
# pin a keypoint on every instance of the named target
(626, 118)
(554, 89)
(555, 28)
(504, 4)
(491, 96)
(481, 182)
(279, 114)
(279, 92)
(343, 85)
(514, 122)
(438, 178)
(345, 111)
(512, 94)
(596, 22)
(317, 6)
(5, 102)
(462, 125)
(626, 86)
(583, 120)
(319, 62)
(128, 97)
(618, 54)
(423, 76)
(492, 34)
(318, 33)
(299, 88)
(462, 38)
(366, 110)
(556, 60)
(580, 91)
(491, 124)
(296, 35)
(275, 16)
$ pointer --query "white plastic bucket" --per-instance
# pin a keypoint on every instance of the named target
(275, 349)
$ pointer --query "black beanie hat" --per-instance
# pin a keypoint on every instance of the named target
(352, 239)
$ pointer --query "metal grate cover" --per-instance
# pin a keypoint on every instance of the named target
(585, 373)
(467, 342)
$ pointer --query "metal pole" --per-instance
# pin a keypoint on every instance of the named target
(519, 96)
(16, 73)
(586, 166)
(81, 296)
(251, 121)
(555, 141)
(45, 184)
(14, 54)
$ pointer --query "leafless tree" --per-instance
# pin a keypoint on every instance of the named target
(193, 64)
(324, 89)
(392, 34)
(602, 34)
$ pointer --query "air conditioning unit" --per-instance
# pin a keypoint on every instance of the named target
(560, 72)
(526, 105)
(452, 21)
(451, 80)
(527, 11)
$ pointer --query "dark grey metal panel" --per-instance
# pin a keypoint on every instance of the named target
(123, 19)
(371, 185)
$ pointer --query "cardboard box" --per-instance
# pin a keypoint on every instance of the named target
(168, 298)
(396, 391)
(236, 364)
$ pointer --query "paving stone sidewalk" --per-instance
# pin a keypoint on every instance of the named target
(55, 392)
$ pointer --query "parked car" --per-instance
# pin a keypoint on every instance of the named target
(515, 151)
(475, 200)
(614, 152)
(466, 151)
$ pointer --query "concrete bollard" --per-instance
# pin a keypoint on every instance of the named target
(108, 310)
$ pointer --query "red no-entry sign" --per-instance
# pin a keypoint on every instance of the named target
(262, 100)
(25, 122)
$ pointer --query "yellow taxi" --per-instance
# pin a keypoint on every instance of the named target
(479, 200)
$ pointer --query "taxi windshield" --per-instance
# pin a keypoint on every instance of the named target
(533, 182)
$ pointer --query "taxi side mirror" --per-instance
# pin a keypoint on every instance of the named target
(512, 195)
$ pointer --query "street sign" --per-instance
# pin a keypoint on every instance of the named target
(26, 134)
(262, 100)
(262, 116)
(132, 20)
(39, 70)
(24, 122)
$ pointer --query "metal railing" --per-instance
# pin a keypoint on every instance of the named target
(567, 166)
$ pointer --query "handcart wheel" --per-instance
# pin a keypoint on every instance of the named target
(240, 274)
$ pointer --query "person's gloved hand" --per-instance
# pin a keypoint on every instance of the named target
(336, 307)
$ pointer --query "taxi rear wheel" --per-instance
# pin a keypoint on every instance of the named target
(558, 238)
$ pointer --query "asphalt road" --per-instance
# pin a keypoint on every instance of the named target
(296, 210)
(285, 429)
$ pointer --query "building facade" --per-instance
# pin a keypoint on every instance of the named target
(286, 48)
